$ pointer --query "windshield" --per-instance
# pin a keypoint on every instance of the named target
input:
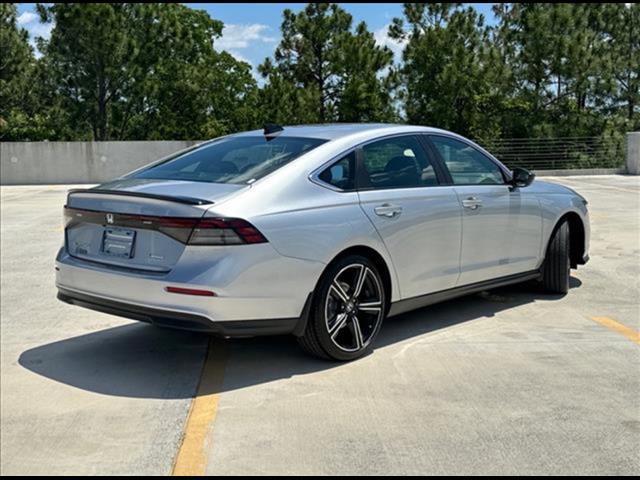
(232, 160)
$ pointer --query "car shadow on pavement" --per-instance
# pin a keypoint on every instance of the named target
(447, 314)
(141, 361)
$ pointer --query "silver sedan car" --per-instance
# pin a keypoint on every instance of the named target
(317, 231)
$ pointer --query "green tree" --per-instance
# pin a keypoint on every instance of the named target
(149, 71)
(447, 75)
(182, 88)
(326, 72)
(365, 94)
(16, 61)
(562, 65)
(281, 101)
(621, 25)
(18, 70)
(145, 71)
(90, 54)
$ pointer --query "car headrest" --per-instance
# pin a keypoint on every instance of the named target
(400, 171)
(399, 163)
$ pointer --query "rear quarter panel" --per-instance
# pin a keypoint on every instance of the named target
(306, 221)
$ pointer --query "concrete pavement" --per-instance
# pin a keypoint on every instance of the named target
(506, 382)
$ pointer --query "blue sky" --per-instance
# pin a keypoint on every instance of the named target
(252, 31)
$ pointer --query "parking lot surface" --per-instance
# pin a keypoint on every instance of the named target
(510, 381)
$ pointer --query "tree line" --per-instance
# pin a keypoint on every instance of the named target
(150, 71)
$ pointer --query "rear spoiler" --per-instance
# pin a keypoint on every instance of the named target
(168, 198)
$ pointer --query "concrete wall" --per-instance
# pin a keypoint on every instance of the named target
(633, 153)
(31, 163)
(580, 171)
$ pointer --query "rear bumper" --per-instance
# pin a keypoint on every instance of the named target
(182, 320)
(252, 283)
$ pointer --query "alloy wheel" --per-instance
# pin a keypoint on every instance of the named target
(353, 307)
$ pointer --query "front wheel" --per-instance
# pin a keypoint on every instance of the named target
(348, 309)
(556, 267)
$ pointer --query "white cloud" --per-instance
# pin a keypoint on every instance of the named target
(382, 38)
(41, 30)
(246, 41)
(243, 36)
(26, 18)
(30, 21)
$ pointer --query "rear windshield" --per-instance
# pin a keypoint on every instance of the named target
(232, 160)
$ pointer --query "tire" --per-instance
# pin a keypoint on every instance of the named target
(556, 266)
(349, 306)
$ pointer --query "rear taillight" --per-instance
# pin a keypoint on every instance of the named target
(225, 231)
(178, 228)
(210, 231)
(192, 231)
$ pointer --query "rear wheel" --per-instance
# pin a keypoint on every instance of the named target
(556, 267)
(348, 309)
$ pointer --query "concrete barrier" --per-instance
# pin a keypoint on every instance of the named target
(580, 171)
(633, 153)
(33, 163)
(36, 163)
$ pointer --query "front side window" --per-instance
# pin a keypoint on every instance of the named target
(398, 162)
(232, 160)
(467, 165)
(342, 173)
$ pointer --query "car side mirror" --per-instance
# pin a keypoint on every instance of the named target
(522, 177)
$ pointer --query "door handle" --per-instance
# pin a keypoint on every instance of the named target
(472, 203)
(388, 210)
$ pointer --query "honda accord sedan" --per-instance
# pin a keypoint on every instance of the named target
(318, 231)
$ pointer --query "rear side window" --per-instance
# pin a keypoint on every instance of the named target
(467, 165)
(398, 162)
(232, 160)
(342, 173)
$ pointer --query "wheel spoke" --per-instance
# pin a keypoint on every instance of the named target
(341, 321)
(362, 275)
(357, 333)
(339, 291)
(370, 307)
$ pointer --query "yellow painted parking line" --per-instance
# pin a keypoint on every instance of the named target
(630, 333)
(192, 456)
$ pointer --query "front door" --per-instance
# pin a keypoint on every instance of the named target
(501, 226)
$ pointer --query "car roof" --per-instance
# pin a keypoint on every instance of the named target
(334, 131)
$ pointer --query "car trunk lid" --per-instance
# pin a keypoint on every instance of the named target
(137, 223)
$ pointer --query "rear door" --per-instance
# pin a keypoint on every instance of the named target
(418, 219)
(501, 226)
